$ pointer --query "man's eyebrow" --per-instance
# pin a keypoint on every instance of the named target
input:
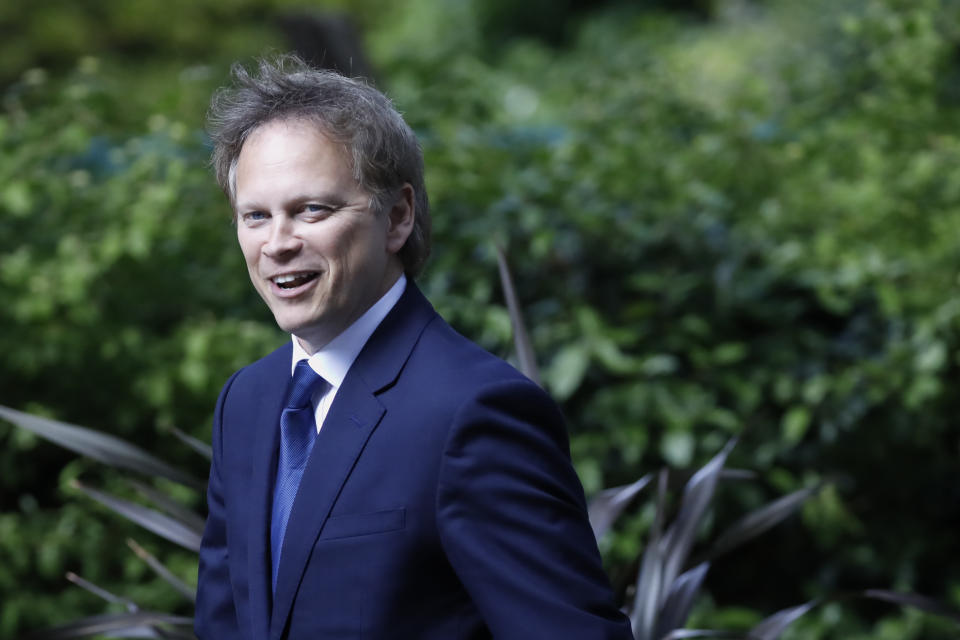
(325, 197)
(329, 197)
(249, 206)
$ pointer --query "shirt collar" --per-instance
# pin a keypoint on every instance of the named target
(335, 358)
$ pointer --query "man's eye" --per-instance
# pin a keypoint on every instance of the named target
(252, 217)
(315, 212)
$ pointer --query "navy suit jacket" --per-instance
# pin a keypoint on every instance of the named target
(439, 503)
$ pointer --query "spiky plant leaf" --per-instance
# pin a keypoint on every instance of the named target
(914, 600)
(771, 627)
(182, 588)
(757, 522)
(606, 506)
(98, 446)
(737, 474)
(136, 632)
(646, 603)
(175, 633)
(683, 592)
(525, 356)
(679, 634)
(113, 624)
(199, 446)
(679, 538)
(100, 592)
(167, 504)
(161, 524)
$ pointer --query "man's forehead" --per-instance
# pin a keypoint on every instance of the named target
(296, 125)
(277, 141)
(293, 159)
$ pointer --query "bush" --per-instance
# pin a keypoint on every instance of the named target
(746, 224)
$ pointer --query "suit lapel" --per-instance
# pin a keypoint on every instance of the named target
(352, 418)
(269, 403)
(355, 414)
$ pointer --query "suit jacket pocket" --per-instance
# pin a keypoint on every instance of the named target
(362, 524)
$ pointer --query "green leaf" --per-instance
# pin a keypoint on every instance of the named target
(677, 448)
(567, 370)
(729, 353)
(794, 425)
(15, 198)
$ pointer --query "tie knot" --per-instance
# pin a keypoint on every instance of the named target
(305, 381)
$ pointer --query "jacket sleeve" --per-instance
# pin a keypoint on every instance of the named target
(513, 520)
(216, 615)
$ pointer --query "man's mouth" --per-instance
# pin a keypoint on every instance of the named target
(294, 280)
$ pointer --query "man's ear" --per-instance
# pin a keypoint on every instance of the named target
(400, 219)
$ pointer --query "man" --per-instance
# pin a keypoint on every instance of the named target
(401, 483)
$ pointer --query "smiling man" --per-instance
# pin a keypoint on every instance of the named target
(379, 476)
(315, 251)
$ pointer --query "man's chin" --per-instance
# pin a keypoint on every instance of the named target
(294, 326)
(288, 322)
(308, 333)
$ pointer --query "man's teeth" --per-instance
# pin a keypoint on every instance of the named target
(290, 280)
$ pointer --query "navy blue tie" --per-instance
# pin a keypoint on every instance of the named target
(298, 431)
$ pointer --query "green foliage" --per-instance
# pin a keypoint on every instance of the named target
(116, 309)
(746, 224)
(167, 33)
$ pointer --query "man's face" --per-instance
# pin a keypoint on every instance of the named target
(316, 253)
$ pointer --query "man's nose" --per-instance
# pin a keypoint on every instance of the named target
(283, 238)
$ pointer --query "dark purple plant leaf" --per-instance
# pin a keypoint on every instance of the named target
(199, 446)
(521, 339)
(606, 506)
(172, 633)
(135, 632)
(697, 496)
(679, 634)
(737, 474)
(161, 524)
(111, 624)
(168, 504)
(771, 627)
(647, 599)
(683, 592)
(914, 600)
(99, 446)
(161, 570)
(756, 522)
(100, 592)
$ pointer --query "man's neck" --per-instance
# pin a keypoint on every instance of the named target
(336, 356)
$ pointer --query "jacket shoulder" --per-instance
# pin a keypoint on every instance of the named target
(276, 361)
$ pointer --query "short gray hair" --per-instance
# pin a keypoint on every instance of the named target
(382, 147)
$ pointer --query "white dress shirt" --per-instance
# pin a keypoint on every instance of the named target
(333, 360)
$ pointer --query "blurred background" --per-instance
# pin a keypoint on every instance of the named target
(723, 217)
